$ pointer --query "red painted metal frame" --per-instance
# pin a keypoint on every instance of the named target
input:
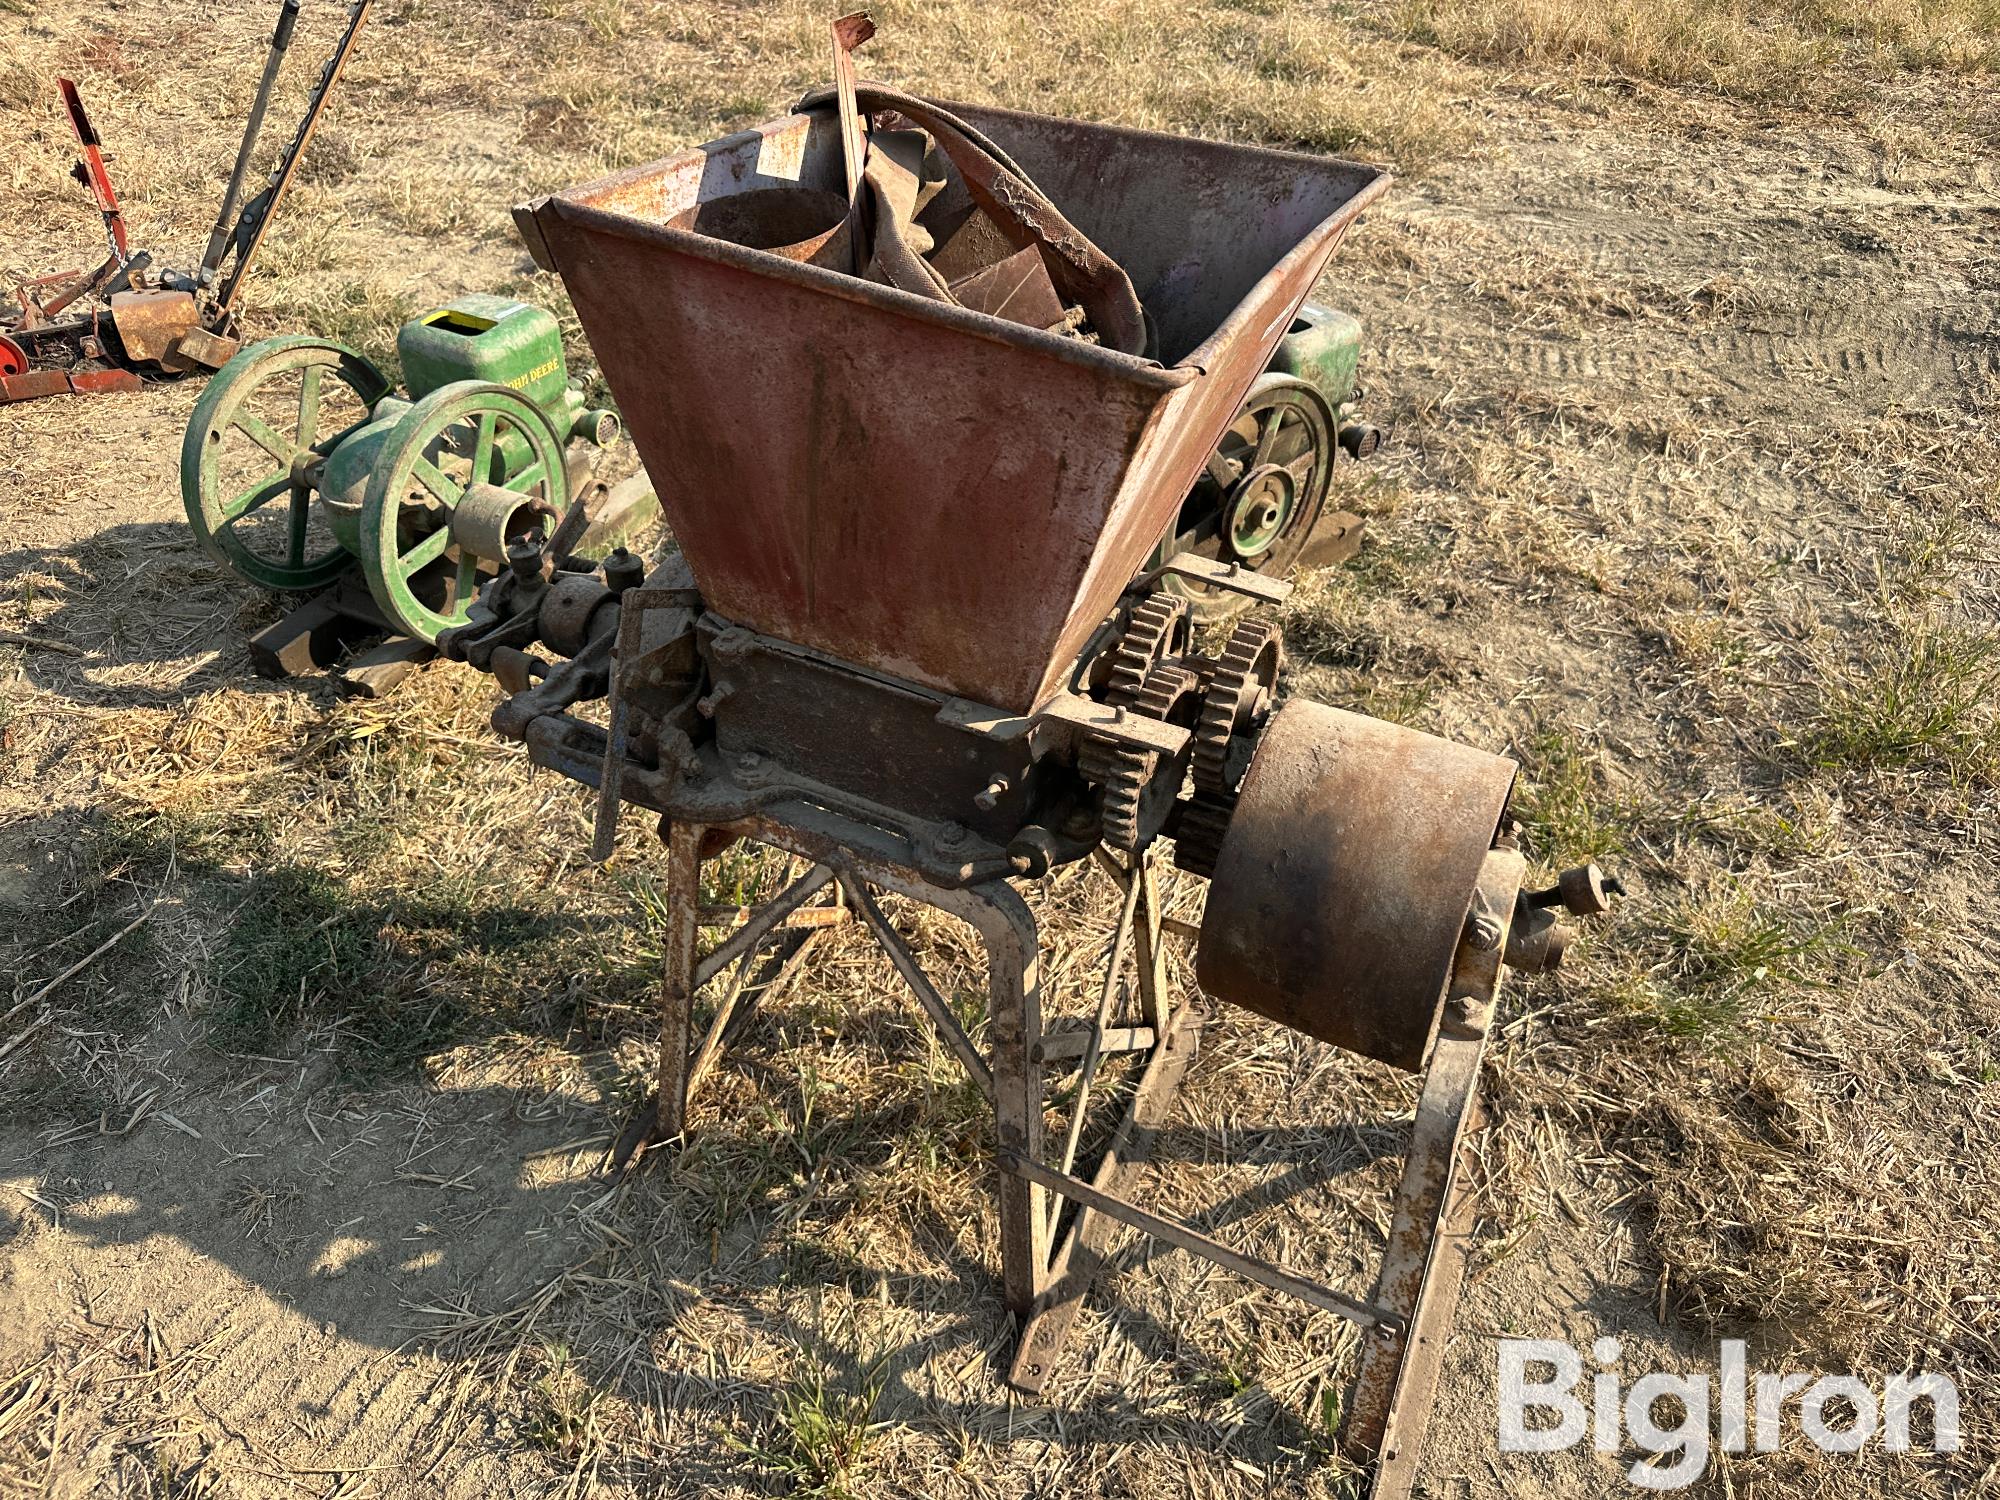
(91, 172)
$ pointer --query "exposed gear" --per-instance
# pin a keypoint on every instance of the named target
(1136, 793)
(1238, 699)
(1158, 629)
(1198, 840)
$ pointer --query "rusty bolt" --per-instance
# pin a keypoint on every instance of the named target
(989, 798)
(950, 835)
(1482, 930)
(525, 559)
(1585, 890)
(622, 571)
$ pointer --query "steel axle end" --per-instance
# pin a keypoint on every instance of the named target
(1582, 891)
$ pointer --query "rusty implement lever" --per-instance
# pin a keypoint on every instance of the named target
(850, 32)
(90, 171)
(256, 220)
(39, 306)
(87, 332)
(219, 238)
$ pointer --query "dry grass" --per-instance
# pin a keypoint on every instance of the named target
(1760, 50)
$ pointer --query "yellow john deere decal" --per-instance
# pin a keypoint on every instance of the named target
(548, 367)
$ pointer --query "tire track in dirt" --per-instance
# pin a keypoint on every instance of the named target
(1918, 359)
(1828, 277)
(1906, 355)
(302, 1395)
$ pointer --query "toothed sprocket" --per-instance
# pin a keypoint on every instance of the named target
(1198, 840)
(1157, 629)
(1237, 701)
(1138, 789)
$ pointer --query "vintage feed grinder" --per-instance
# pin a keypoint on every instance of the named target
(303, 471)
(913, 636)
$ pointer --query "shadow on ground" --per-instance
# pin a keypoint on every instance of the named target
(271, 1137)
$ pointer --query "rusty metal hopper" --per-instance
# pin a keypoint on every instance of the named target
(930, 492)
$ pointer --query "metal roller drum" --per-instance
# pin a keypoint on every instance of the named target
(1346, 876)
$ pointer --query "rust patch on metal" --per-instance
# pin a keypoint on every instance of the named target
(150, 324)
(996, 485)
(1343, 883)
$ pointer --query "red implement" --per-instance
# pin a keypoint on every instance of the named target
(91, 173)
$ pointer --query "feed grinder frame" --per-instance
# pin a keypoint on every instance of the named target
(862, 658)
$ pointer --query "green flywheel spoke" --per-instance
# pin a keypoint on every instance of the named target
(1301, 467)
(265, 436)
(482, 446)
(291, 381)
(485, 427)
(428, 550)
(263, 492)
(309, 403)
(434, 479)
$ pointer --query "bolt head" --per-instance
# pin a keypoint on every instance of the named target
(1482, 931)
(524, 559)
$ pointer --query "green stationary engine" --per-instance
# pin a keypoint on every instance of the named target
(422, 491)
(1258, 504)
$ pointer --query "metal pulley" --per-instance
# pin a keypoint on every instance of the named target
(1344, 880)
(1260, 502)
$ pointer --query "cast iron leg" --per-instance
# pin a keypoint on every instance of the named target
(1092, 1236)
(1012, 952)
(663, 1117)
(1423, 1266)
(677, 983)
